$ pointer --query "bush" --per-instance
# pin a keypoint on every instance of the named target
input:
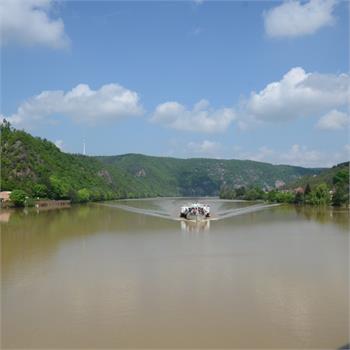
(18, 198)
(285, 197)
(252, 194)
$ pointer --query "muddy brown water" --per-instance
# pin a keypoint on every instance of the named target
(107, 276)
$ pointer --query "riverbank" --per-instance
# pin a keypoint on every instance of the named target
(38, 203)
(320, 195)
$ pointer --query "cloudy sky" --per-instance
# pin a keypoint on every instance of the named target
(260, 80)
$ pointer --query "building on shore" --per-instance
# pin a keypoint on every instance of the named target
(299, 190)
(5, 196)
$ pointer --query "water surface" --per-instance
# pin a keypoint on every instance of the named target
(102, 275)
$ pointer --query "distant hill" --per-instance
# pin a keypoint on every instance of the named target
(202, 176)
(37, 166)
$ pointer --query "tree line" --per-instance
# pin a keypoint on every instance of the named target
(321, 194)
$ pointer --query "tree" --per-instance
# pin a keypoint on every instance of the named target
(72, 195)
(18, 198)
(254, 194)
(251, 194)
(284, 197)
(5, 127)
(307, 193)
(320, 195)
(240, 192)
(341, 177)
(40, 190)
(298, 198)
(271, 196)
(83, 195)
(227, 193)
(340, 197)
(341, 188)
(60, 189)
(307, 189)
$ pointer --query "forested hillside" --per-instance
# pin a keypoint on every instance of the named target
(39, 168)
(200, 176)
(325, 176)
(330, 186)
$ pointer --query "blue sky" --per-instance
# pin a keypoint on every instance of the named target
(236, 79)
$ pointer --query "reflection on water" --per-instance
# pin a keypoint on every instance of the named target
(5, 215)
(193, 226)
(98, 276)
(323, 215)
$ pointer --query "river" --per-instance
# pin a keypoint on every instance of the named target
(130, 274)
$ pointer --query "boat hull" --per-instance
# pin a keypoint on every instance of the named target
(195, 217)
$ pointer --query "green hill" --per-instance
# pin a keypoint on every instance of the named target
(201, 176)
(38, 167)
(28, 161)
(325, 176)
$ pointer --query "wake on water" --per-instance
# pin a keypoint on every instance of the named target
(170, 210)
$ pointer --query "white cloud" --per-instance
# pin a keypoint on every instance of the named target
(296, 155)
(205, 148)
(263, 154)
(28, 22)
(334, 120)
(81, 104)
(297, 94)
(301, 155)
(202, 118)
(296, 18)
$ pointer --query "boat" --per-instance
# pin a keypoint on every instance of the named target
(195, 211)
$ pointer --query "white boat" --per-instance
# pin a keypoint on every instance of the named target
(195, 211)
